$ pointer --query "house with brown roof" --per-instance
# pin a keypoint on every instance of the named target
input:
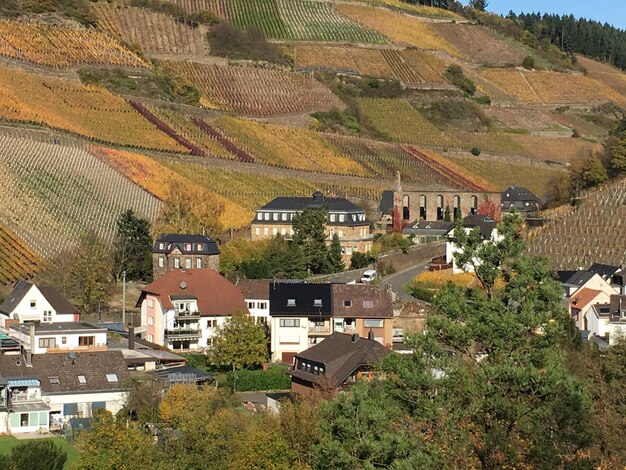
(256, 293)
(581, 307)
(363, 309)
(45, 390)
(30, 303)
(182, 309)
(335, 363)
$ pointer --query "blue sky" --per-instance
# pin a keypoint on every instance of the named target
(610, 11)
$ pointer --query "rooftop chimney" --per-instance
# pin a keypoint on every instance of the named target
(355, 337)
(131, 338)
(370, 335)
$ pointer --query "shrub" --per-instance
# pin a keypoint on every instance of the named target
(274, 378)
(359, 260)
(486, 100)
(575, 134)
(454, 74)
(227, 41)
(42, 454)
(475, 151)
(204, 17)
(528, 62)
(420, 292)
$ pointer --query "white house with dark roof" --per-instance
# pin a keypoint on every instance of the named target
(488, 229)
(178, 251)
(30, 303)
(344, 219)
(59, 337)
(521, 199)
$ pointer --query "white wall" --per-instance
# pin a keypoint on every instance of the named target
(452, 249)
(259, 308)
(288, 339)
(597, 326)
(115, 400)
(27, 313)
(71, 339)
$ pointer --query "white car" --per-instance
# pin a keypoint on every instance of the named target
(369, 275)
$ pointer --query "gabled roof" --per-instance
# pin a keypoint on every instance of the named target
(485, 224)
(579, 278)
(94, 366)
(176, 240)
(258, 289)
(359, 295)
(583, 297)
(318, 201)
(215, 294)
(605, 271)
(54, 298)
(518, 194)
(341, 356)
(304, 297)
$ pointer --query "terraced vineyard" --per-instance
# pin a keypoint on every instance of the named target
(573, 120)
(533, 120)
(499, 144)
(400, 28)
(155, 33)
(400, 121)
(604, 73)
(288, 147)
(503, 175)
(410, 66)
(61, 47)
(89, 111)
(561, 149)
(301, 20)
(478, 45)
(53, 193)
(256, 92)
(589, 234)
(17, 261)
(190, 6)
(545, 87)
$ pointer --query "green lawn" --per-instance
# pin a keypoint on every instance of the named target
(8, 442)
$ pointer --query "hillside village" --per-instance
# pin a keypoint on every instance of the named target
(310, 234)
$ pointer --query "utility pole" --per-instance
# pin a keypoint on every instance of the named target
(123, 299)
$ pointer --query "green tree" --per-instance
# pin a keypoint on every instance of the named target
(132, 248)
(618, 156)
(447, 215)
(335, 257)
(310, 235)
(587, 173)
(479, 4)
(239, 343)
(39, 454)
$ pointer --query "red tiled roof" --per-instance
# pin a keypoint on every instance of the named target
(584, 297)
(215, 294)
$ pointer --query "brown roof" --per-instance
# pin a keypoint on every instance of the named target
(258, 289)
(584, 297)
(93, 365)
(360, 295)
(215, 294)
(341, 356)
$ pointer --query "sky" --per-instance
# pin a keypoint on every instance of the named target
(609, 11)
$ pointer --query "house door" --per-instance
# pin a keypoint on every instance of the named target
(288, 357)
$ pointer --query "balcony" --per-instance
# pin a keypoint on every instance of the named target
(319, 329)
(182, 333)
(187, 315)
(59, 350)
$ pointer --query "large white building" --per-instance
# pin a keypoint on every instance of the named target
(62, 337)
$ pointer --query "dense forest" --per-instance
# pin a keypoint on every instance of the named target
(577, 35)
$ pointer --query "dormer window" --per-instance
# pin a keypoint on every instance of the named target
(275, 215)
(317, 303)
(333, 217)
(111, 378)
(188, 246)
(54, 380)
(199, 247)
(267, 216)
(291, 302)
(342, 217)
(161, 246)
(284, 217)
(259, 216)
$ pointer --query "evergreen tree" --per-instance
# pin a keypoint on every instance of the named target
(479, 4)
(618, 156)
(335, 258)
(310, 236)
(132, 250)
(447, 216)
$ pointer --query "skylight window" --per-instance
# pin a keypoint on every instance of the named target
(54, 380)
(82, 379)
(317, 303)
(291, 302)
(111, 378)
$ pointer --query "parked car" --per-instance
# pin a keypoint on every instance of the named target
(369, 275)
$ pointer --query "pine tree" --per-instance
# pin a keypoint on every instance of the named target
(310, 236)
(335, 258)
(132, 248)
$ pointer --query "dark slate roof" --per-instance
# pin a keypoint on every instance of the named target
(518, 194)
(429, 227)
(563, 276)
(54, 298)
(579, 278)
(386, 202)
(340, 204)
(485, 223)
(341, 357)
(93, 365)
(171, 372)
(20, 289)
(175, 240)
(604, 270)
(304, 295)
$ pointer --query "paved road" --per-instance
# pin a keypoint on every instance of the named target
(399, 279)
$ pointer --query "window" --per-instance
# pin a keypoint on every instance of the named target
(150, 303)
(283, 232)
(33, 304)
(317, 303)
(24, 419)
(188, 263)
(333, 217)
(250, 305)
(161, 246)
(199, 247)
(342, 217)
(368, 304)
(274, 231)
(188, 246)
(211, 323)
(70, 409)
(150, 321)
(111, 378)
(347, 303)
(284, 217)
(290, 322)
(275, 215)
(161, 262)
(63, 339)
(348, 250)
(257, 231)
(262, 305)
(54, 380)
(47, 315)
(373, 323)
(47, 343)
(176, 263)
(259, 216)
(86, 340)
(266, 231)
(82, 379)
(340, 233)
(198, 263)
(291, 302)
(149, 338)
(267, 216)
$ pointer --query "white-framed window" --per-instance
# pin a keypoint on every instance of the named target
(368, 304)
(54, 380)
(250, 305)
(341, 233)
(188, 263)
(150, 303)
(47, 315)
(47, 343)
(342, 217)
(283, 232)
(198, 263)
(333, 217)
(317, 302)
(82, 379)
(259, 216)
(199, 247)
(63, 339)
(266, 231)
(33, 303)
(291, 302)
(289, 322)
(284, 216)
(347, 303)
(161, 262)
(257, 231)
(150, 321)
(267, 216)
(161, 246)
(111, 378)
(176, 263)
(371, 323)
(275, 216)
(262, 305)
(274, 232)
(188, 246)
(349, 250)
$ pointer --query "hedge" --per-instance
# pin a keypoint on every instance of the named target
(274, 378)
